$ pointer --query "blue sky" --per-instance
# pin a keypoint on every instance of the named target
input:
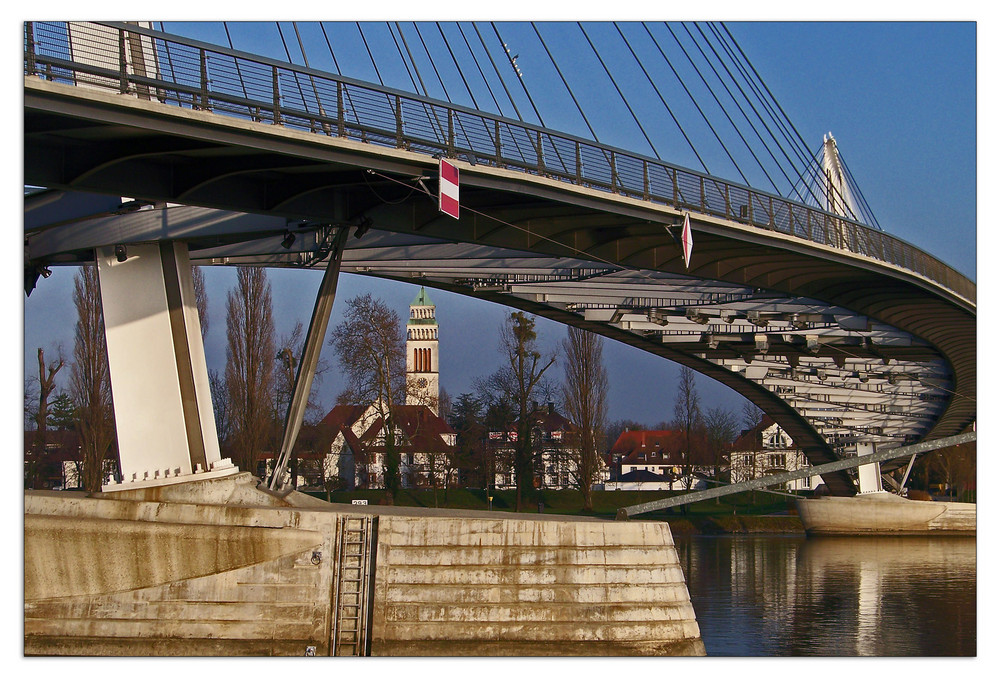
(899, 97)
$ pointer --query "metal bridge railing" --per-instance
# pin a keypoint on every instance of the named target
(187, 73)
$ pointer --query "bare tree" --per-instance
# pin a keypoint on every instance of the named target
(249, 357)
(585, 395)
(91, 378)
(290, 348)
(46, 385)
(516, 384)
(200, 298)
(371, 350)
(220, 406)
(617, 427)
(687, 413)
(30, 402)
(751, 415)
(956, 466)
(721, 429)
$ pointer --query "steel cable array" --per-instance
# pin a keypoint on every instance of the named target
(198, 75)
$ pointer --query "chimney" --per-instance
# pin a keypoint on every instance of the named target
(552, 407)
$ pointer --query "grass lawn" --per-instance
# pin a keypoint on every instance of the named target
(570, 502)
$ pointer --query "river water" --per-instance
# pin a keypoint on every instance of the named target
(791, 596)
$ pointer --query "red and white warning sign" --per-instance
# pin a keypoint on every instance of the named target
(448, 189)
(687, 241)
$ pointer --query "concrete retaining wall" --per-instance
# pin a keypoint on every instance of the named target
(107, 576)
(529, 587)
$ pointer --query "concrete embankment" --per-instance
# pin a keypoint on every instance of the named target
(228, 570)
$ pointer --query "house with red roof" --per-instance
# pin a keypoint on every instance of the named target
(765, 450)
(655, 460)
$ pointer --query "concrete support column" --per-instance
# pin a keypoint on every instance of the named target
(159, 377)
(870, 475)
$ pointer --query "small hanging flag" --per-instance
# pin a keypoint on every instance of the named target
(448, 189)
(687, 240)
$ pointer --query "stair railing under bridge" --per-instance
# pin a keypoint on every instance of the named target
(129, 59)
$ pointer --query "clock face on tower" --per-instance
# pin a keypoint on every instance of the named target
(421, 382)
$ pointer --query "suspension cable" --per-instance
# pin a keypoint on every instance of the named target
(766, 88)
(170, 61)
(402, 58)
(497, 70)
(620, 94)
(475, 59)
(478, 66)
(428, 111)
(447, 96)
(810, 166)
(239, 74)
(457, 67)
(742, 109)
(329, 47)
(368, 49)
(565, 84)
(347, 91)
(697, 106)
(423, 44)
(801, 154)
(662, 100)
(719, 103)
(857, 190)
(517, 147)
(295, 74)
(519, 78)
(312, 81)
(807, 162)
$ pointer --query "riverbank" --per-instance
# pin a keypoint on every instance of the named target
(751, 512)
(739, 524)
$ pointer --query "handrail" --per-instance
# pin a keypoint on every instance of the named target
(188, 73)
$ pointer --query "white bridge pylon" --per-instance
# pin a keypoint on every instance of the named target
(159, 376)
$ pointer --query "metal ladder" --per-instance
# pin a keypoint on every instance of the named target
(350, 607)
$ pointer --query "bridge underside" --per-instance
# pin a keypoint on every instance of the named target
(835, 346)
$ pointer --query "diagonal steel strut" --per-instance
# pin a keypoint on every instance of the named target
(802, 473)
(310, 357)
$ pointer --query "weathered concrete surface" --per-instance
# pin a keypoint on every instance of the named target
(131, 576)
(885, 514)
(67, 556)
(527, 587)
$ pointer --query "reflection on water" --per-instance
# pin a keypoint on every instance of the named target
(837, 596)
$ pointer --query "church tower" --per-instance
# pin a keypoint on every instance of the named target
(422, 353)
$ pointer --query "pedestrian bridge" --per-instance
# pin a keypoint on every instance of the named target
(842, 333)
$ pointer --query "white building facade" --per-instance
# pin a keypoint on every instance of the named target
(766, 450)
